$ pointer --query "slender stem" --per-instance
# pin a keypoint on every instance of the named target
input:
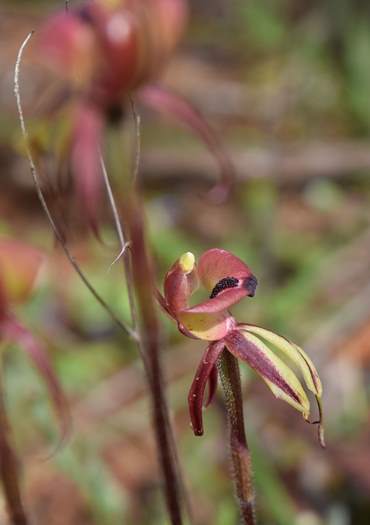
(149, 340)
(9, 469)
(240, 455)
(123, 243)
(45, 206)
(140, 282)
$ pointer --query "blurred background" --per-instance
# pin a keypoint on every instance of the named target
(287, 85)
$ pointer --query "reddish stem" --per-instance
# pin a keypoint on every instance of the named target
(9, 470)
(149, 340)
(240, 455)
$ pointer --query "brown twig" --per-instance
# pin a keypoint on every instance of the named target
(228, 368)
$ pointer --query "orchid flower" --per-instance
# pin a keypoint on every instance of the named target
(228, 280)
(20, 266)
(106, 50)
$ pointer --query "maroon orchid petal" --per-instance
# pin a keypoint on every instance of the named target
(68, 46)
(219, 270)
(171, 104)
(197, 389)
(86, 142)
(212, 385)
(116, 32)
(221, 302)
(278, 376)
(13, 331)
(163, 303)
(180, 282)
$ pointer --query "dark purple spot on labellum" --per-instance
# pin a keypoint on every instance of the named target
(224, 284)
(250, 284)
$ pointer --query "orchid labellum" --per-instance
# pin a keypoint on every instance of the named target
(106, 50)
(228, 280)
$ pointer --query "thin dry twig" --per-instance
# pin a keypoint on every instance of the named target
(117, 221)
(119, 256)
(123, 243)
(127, 330)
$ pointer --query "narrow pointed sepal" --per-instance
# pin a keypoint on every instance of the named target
(301, 360)
(85, 160)
(212, 385)
(203, 375)
(282, 381)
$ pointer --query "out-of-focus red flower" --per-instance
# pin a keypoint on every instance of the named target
(20, 264)
(105, 50)
(228, 280)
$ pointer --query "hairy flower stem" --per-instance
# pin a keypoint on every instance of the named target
(9, 469)
(228, 368)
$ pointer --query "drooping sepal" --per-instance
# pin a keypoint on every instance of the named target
(212, 386)
(85, 160)
(278, 376)
(203, 375)
(301, 360)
